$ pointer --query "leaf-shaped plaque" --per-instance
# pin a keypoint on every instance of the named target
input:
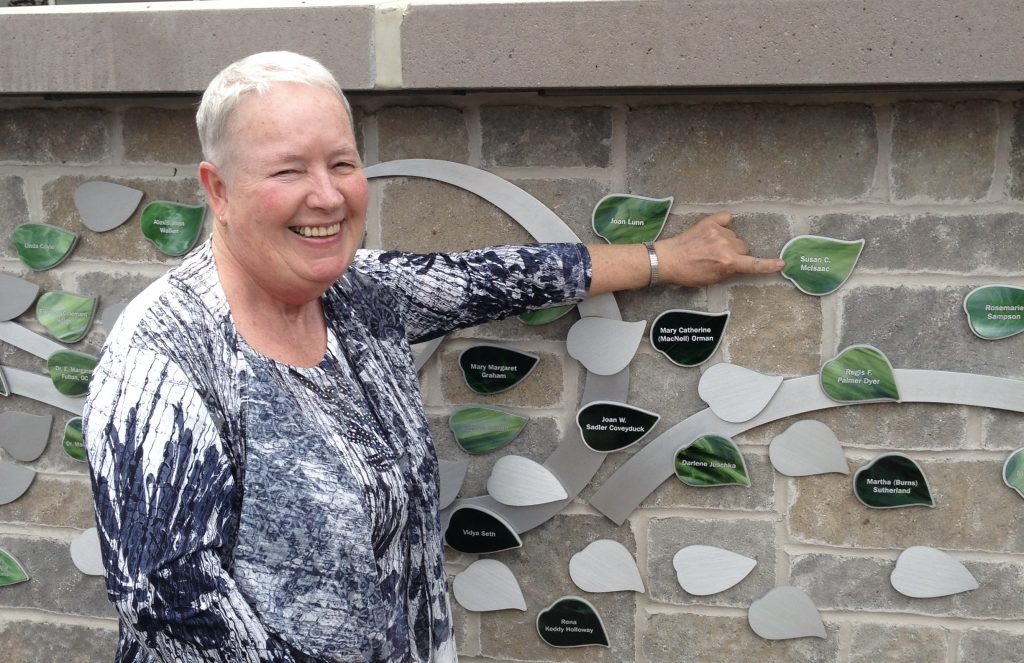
(71, 371)
(11, 570)
(860, 373)
(65, 315)
(104, 206)
(173, 228)
(5, 389)
(1013, 471)
(711, 460)
(995, 311)
(892, 480)
(14, 481)
(490, 369)
(807, 447)
(476, 531)
(706, 570)
(571, 622)
(602, 345)
(41, 246)
(785, 613)
(688, 338)
(86, 552)
(73, 442)
(518, 481)
(24, 435)
(925, 573)
(488, 585)
(481, 430)
(606, 426)
(16, 296)
(819, 265)
(545, 315)
(625, 219)
(605, 566)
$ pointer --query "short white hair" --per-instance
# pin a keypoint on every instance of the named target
(254, 74)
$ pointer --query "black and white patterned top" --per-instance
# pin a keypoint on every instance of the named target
(254, 511)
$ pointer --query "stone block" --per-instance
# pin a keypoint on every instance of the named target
(1003, 430)
(573, 200)
(835, 582)
(648, 303)
(991, 646)
(425, 216)
(974, 510)
(54, 585)
(752, 538)
(54, 502)
(523, 136)
(112, 287)
(1016, 179)
(659, 386)
(971, 244)
(32, 642)
(920, 327)
(889, 642)
(942, 150)
(696, 637)
(126, 243)
(774, 330)
(542, 568)
(422, 132)
(741, 152)
(13, 211)
(537, 440)
(54, 135)
(542, 388)
(759, 496)
(161, 135)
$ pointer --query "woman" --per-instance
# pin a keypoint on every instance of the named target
(264, 478)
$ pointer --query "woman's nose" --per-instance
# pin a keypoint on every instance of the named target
(326, 194)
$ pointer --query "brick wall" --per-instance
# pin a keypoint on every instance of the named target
(934, 184)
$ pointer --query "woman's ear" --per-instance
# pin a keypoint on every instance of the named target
(216, 189)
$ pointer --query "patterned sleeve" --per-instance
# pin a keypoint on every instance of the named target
(163, 491)
(447, 291)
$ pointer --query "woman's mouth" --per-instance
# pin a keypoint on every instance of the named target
(316, 231)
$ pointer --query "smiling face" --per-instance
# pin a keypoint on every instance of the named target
(291, 203)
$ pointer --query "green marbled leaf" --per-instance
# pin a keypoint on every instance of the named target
(711, 460)
(489, 369)
(1013, 471)
(995, 311)
(688, 338)
(73, 442)
(892, 480)
(11, 570)
(571, 622)
(41, 246)
(65, 315)
(625, 219)
(819, 265)
(173, 228)
(481, 430)
(71, 371)
(606, 426)
(545, 315)
(859, 373)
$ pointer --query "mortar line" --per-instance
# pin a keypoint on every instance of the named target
(618, 156)
(40, 616)
(884, 126)
(845, 641)
(953, 646)
(863, 552)
(1002, 173)
(475, 134)
(36, 531)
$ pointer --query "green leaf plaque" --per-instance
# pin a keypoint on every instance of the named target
(995, 311)
(1013, 471)
(624, 219)
(73, 442)
(545, 315)
(891, 480)
(688, 338)
(173, 228)
(571, 622)
(65, 315)
(860, 373)
(41, 246)
(71, 371)
(711, 460)
(11, 570)
(477, 531)
(481, 430)
(606, 426)
(819, 265)
(490, 369)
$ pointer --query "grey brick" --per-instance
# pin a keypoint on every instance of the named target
(422, 132)
(114, 286)
(541, 388)
(925, 328)
(974, 511)
(13, 211)
(835, 582)
(1003, 430)
(944, 151)
(542, 568)
(973, 244)
(752, 538)
(54, 502)
(35, 642)
(774, 330)
(573, 200)
(55, 584)
(731, 152)
(890, 642)
(161, 135)
(658, 385)
(694, 637)
(990, 646)
(759, 496)
(54, 135)
(542, 136)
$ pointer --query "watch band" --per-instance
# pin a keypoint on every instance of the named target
(654, 263)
